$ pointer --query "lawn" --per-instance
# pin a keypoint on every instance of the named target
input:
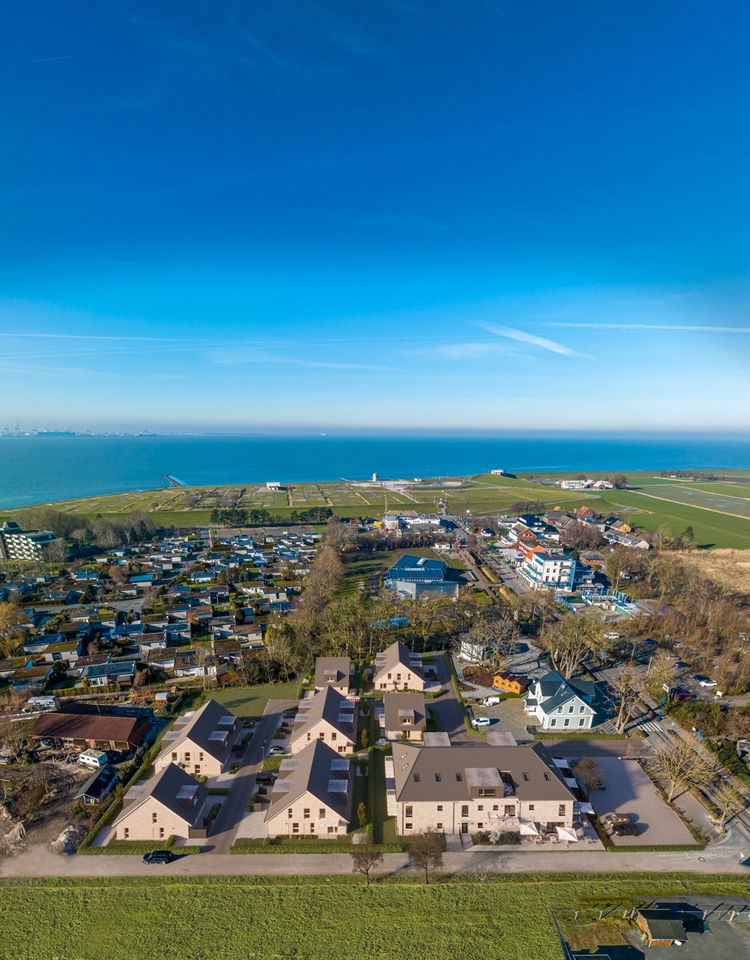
(251, 701)
(237, 918)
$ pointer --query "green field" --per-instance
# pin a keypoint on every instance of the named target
(718, 511)
(251, 701)
(236, 918)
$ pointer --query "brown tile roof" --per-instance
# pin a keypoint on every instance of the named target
(89, 726)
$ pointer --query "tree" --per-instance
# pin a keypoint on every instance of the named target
(660, 673)
(687, 539)
(680, 764)
(589, 774)
(728, 802)
(362, 814)
(626, 693)
(663, 537)
(12, 618)
(365, 856)
(619, 481)
(571, 640)
(426, 851)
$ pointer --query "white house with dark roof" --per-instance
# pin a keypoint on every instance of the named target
(333, 672)
(559, 704)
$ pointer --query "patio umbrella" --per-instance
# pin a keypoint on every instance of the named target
(565, 833)
(527, 828)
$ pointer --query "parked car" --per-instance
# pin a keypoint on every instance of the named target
(158, 856)
(707, 683)
(626, 830)
(481, 722)
(276, 752)
(681, 695)
(491, 701)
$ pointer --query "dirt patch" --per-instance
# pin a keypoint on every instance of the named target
(43, 798)
(482, 676)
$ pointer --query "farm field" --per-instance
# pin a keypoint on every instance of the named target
(281, 918)
(718, 511)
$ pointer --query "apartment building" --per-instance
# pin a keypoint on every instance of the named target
(397, 668)
(327, 716)
(312, 795)
(202, 742)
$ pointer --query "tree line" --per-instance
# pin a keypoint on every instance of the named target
(240, 517)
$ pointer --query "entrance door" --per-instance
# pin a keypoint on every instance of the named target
(464, 828)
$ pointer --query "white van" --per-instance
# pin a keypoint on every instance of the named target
(93, 758)
(41, 703)
(492, 701)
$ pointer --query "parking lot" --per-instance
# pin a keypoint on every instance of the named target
(628, 790)
(507, 715)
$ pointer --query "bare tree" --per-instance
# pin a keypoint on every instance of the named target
(660, 673)
(12, 618)
(589, 774)
(679, 765)
(571, 640)
(728, 802)
(365, 856)
(626, 693)
(426, 851)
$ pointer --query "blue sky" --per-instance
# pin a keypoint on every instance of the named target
(327, 215)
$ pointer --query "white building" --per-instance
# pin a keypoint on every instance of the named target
(560, 704)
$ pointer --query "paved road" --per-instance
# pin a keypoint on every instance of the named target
(235, 805)
(37, 861)
(449, 713)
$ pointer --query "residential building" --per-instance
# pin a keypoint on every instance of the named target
(326, 716)
(312, 795)
(84, 731)
(397, 668)
(404, 715)
(547, 569)
(560, 704)
(202, 741)
(170, 804)
(19, 544)
(333, 672)
(462, 789)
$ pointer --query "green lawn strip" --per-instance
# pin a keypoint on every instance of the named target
(251, 701)
(313, 918)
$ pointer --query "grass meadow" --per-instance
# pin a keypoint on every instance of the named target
(238, 918)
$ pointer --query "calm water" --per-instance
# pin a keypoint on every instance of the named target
(38, 469)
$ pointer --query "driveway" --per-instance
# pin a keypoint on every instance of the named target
(447, 710)
(234, 807)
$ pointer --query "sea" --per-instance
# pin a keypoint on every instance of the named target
(39, 469)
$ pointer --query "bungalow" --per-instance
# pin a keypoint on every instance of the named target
(84, 731)
(312, 795)
(31, 678)
(99, 785)
(397, 668)
(326, 716)
(333, 672)
(188, 663)
(560, 704)
(201, 741)
(404, 715)
(121, 672)
(170, 804)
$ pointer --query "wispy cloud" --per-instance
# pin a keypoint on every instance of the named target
(676, 327)
(469, 350)
(523, 336)
(254, 357)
